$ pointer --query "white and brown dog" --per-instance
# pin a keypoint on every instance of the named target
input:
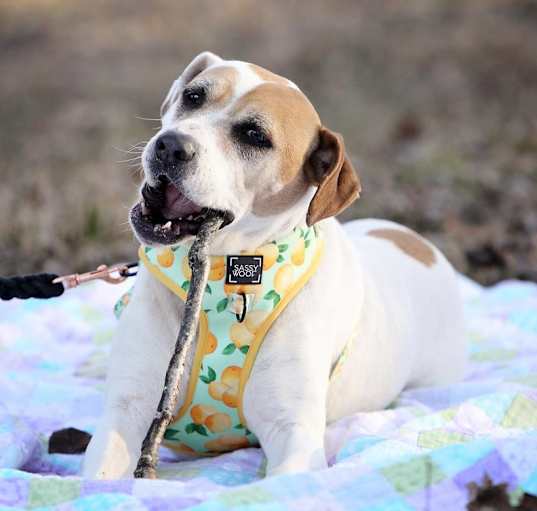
(240, 139)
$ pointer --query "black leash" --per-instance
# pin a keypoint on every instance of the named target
(50, 285)
(39, 285)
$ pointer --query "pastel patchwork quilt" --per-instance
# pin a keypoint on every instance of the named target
(421, 453)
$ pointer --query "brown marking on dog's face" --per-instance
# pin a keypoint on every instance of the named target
(268, 76)
(409, 242)
(292, 121)
(221, 82)
(294, 125)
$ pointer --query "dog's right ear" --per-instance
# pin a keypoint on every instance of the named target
(199, 64)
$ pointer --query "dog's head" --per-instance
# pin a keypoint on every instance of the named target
(241, 140)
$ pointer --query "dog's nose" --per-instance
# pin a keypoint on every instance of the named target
(173, 148)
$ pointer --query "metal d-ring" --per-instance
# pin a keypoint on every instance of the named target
(240, 318)
(129, 270)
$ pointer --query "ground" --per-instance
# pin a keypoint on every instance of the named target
(437, 102)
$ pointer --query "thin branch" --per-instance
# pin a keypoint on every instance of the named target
(198, 260)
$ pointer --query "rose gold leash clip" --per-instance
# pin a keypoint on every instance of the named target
(103, 272)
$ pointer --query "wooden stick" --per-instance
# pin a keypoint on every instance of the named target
(198, 260)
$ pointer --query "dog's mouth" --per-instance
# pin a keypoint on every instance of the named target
(166, 216)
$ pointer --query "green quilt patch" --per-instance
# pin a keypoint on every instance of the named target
(414, 475)
(51, 491)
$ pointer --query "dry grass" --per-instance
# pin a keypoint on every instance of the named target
(437, 102)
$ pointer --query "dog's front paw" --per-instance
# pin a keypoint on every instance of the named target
(108, 457)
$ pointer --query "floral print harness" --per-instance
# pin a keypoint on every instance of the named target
(211, 420)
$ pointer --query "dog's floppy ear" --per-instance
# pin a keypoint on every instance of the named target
(330, 169)
(199, 64)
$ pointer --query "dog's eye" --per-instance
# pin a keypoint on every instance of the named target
(194, 98)
(251, 134)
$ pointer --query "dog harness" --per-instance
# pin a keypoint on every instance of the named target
(243, 297)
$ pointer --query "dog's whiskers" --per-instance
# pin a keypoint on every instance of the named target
(147, 118)
(139, 144)
(130, 160)
(137, 148)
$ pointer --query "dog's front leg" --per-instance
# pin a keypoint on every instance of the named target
(140, 355)
(285, 397)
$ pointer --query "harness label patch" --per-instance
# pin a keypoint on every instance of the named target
(244, 269)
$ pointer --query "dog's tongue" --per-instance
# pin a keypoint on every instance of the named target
(176, 205)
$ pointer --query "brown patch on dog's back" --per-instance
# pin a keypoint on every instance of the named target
(409, 242)
(267, 75)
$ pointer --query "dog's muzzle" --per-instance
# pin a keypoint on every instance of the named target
(165, 215)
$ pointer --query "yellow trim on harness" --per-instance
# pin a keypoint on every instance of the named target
(265, 326)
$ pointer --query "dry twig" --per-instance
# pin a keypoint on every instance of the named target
(199, 263)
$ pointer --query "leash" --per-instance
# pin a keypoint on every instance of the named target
(50, 285)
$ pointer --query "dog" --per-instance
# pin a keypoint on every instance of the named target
(374, 310)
